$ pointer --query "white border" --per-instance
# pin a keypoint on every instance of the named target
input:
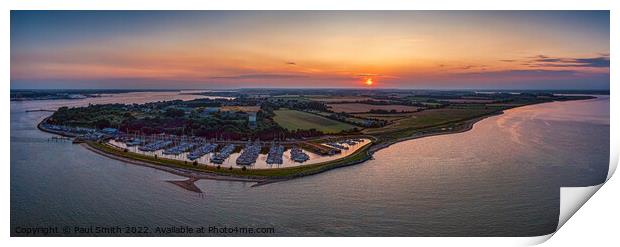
(587, 231)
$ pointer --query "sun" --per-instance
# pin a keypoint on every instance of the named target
(368, 82)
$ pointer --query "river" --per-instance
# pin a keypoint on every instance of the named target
(502, 178)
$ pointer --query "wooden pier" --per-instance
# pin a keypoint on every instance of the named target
(40, 110)
(58, 139)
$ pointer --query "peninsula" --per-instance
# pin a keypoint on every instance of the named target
(265, 135)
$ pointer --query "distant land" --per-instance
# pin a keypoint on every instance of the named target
(51, 94)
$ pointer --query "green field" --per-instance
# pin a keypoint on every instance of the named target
(293, 120)
(386, 117)
(434, 117)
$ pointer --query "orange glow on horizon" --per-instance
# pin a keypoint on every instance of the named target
(400, 49)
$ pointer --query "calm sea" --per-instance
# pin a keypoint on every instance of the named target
(500, 179)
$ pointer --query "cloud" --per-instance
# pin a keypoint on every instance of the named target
(446, 67)
(291, 63)
(368, 75)
(526, 73)
(589, 62)
(572, 78)
(373, 75)
(466, 67)
(600, 62)
(259, 76)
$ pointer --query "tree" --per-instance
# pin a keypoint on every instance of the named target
(174, 113)
(102, 123)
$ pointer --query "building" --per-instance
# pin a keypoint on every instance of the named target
(252, 119)
(207, 111)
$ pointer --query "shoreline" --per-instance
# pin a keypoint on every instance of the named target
(201, 174)
(467, 126)
(60, 133)
(258, 176)
(173, 170)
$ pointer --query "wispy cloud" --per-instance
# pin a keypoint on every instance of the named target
(525, 73)
(588, 62)
(368, 75)
(460, 68)
(259, 76)
(469, 66)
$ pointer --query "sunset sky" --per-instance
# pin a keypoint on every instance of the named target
(233, 49)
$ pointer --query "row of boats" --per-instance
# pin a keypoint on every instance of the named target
(337, 145)
(275, 154)
(340, 144)
(220, 157)
(154, 146)
(181, 148)
(298, 155)
(202, 151)
(248, 156)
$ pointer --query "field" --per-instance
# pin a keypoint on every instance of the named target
(240, 108)
(328, 99)
(387, 117)
(357, 107)
(293, 120)
(435, 117)
(465, 101)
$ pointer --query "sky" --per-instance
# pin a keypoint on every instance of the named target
(310, 49)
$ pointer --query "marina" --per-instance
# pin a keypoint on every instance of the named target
(252, 155)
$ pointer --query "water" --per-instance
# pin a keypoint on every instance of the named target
(125, 98)
(500, 179)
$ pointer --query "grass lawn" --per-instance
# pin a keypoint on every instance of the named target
(293, 120)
